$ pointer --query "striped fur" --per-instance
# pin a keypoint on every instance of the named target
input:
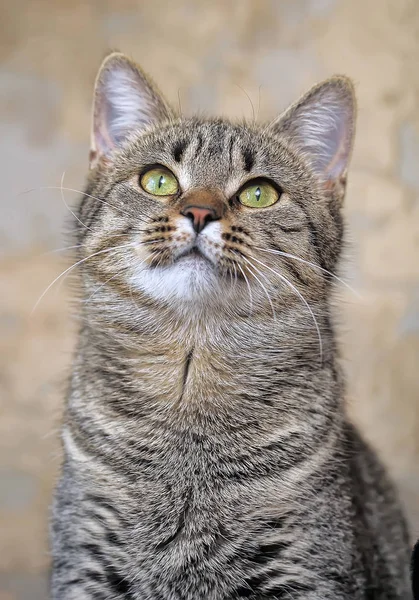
(208, 454)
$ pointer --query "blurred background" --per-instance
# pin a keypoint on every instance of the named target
(207, 57)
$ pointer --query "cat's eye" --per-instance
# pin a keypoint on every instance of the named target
(159, 181)
(259, 194)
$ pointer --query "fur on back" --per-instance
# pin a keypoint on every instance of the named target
(208, 454)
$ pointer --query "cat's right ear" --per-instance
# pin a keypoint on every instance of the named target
(125, 101)
(321, 125)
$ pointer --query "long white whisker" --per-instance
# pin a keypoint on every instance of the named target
(99, 287)
(235, 274)
(66, 205)
(252, 266)
(110, 279)
(54, 187)
(123, 212)
(56, 250)
(73, 267)
(248, 287)
(302, 300)
(149, 242)
(313, 265)
(62, 249)
(230, 272)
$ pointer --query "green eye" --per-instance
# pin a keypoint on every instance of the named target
(259, 195)
(159, 182)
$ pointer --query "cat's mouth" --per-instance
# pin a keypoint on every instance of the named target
(193, 254)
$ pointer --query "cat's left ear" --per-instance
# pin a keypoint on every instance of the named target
(125, 100)
(321, 125)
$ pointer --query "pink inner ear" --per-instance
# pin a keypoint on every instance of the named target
(321, 126)
(339, 142)
(339, 162)
(102, 139)
(114, 116)
(125, 101)
(324, 133)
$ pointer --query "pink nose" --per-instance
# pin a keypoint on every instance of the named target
(200, 216)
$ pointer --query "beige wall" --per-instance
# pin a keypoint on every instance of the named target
(204, 55)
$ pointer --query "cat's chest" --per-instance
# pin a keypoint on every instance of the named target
(196, 537)
(180, 373)
(188, 533)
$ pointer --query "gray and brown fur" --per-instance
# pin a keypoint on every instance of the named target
(208, 454)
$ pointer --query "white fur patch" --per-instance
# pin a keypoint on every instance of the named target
(209, 241)
(190, 277)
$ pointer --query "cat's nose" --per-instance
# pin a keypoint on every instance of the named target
(200, 216)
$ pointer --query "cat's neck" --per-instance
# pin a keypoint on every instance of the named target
(218, 363)
(265, 339)
(210, 390)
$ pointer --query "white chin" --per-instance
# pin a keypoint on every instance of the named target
(189, 278)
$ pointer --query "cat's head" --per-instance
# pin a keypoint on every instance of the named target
(203, 211)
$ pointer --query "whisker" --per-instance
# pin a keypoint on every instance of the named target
(248, 287)
(302, 300)
(313, 265)
(180, 103)
(235, 274)
(99, 287)
(117, 235)
(257, 116)
(133, 244)
(73, 267)
(160, 259)
(107, 281)
(149, 242)
(54, 187)
(62, 249)
(230, 272)
(66, 205)
(252, 266)
(250, 100)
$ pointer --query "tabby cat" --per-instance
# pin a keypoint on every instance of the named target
(208, 454)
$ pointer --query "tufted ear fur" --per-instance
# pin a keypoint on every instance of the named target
(125, 100)
(322, 125)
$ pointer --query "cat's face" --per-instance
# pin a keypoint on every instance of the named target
(209, 212)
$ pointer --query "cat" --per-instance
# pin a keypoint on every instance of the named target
(207, 451)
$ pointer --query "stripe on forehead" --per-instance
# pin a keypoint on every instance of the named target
(248, 158)
(179, 148)
(217, 139)
(191, 146)
(212, 139)
(214, 142)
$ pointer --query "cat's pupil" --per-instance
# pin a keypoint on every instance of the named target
(257, 194)
(161, 180)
